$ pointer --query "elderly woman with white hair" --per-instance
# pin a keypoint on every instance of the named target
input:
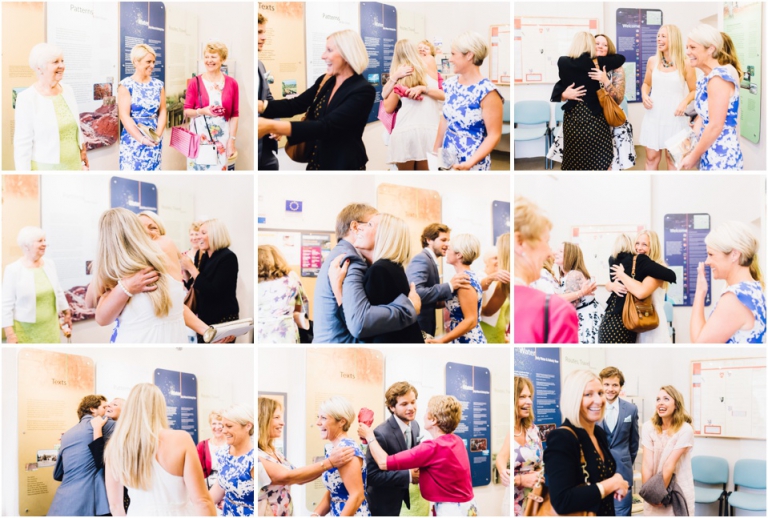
(717, 104)
(739, 316)
(141, 106)
(471, 123)
(33, 301)
(235, 484)
(212, 103)
(47, 135)
(337, 108)
(465, 304)
(345, 485)
(215, 281)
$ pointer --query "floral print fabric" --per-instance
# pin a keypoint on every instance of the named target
(236, 481)
(751, 295)
(474, 336)
(145, 104)
(527, 458)
(278, 496)
(335, 485)
(725, 153)
(219, 130)
(466, 128)
(278, 299)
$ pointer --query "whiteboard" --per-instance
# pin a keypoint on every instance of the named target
(728, 398)
(539, 43)
(499, 55)
(596, 243)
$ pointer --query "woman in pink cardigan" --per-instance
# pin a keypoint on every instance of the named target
(445, 478)
(212, 104)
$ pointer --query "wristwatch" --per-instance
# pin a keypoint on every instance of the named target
(209, 334)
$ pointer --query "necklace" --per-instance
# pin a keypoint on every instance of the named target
(665, 63)
(217, 84)
(521, 432)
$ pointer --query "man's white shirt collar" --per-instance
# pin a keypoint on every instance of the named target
(431, 254)
(402, 425)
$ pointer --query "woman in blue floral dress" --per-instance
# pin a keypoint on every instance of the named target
(739, 316)
(235, 484)
(471, 123)
(345, 488)
(717, 103)
(466, 303)
(141, 100)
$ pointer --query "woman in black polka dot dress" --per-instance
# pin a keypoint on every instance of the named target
(587, 138)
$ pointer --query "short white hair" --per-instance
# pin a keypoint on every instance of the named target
(29, 235)
(572, 394)
(473, 42)
(339, 408)
(351, 47)
(467, 245)
(139, 51)
(240, 414)
(42, 54)
(491, 251)
(707, 36)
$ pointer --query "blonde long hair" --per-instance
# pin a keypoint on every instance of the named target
(502, 246)
(393, 240)
(134, 443)
(582, 42)
(407, 53)
(675, 45)
(125, 248)
(654, 250)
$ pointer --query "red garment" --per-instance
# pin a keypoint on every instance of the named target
(444, 473)
(529, 318)
(230, 96)
(205, 457)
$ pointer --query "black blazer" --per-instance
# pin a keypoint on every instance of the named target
(577, 71)
(387, 490)
(645, 267)
(564, 477)
(384, 282)
(339, 130)
(215, 287)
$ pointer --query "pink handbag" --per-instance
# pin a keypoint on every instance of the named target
(185, 142)
(388, 119)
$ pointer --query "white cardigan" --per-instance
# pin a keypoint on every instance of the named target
(37, 130)
(19, 296)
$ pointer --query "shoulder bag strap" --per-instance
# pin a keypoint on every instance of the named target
(583, 461)
(200, 103)
(322, 84)
(634, 264)
(546, 319)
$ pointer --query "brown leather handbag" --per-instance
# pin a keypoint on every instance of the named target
(613, 113)
(301, 151)
(538, 502)
(639, 315)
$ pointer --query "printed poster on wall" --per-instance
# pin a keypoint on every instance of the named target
(314, 249)
(743, 22)
(378, 28)
(471, 385)
(323, 19)
(180, 392)
(500, 216)
(541, 365)
(132, 195)
(85, 32)
(636, 40)
(51, 386)
(142, 22)
(499, 56)
(23, 27)
(684, 249)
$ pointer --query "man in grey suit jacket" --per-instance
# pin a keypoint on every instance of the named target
(387, 490)
(621, 427)
(82, 491)
(267, 146)
(424, 273)
(356, 318)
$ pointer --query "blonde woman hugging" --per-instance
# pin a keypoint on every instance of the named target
(419, 117)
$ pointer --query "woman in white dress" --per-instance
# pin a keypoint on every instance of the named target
(668, 88)
(159, 466)
(419, 117)
(155, 313)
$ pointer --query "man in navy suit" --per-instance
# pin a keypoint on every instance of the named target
(387, 490)
(423, 272)
(620, 425)
(82, 491)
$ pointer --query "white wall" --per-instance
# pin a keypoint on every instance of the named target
(677, 13)
(445, 21)
(464, 198)
(224, 374)
(604, 199)
(225, 197)
(401, 363)
(645, 370)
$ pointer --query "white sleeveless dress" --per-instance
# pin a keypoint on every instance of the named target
(660, 122)
(139, 324)
(415, 128)
(167, 497)
(660, 335)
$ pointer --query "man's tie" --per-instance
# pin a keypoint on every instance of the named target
(408, 439)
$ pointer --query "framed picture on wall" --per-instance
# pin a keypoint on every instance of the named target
(280, 444)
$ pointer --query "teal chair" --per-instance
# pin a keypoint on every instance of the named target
(668, 312)
(536, 116)
(748, 473)
(710, 470)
